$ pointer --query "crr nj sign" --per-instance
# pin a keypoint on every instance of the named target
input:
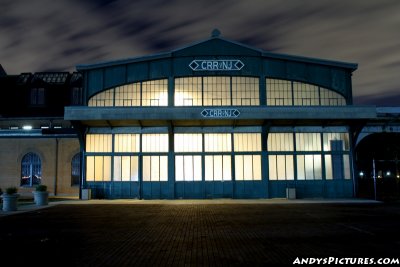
(216, 65)
(220, 113)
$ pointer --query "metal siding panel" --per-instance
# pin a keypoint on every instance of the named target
(275, 68)
(160, 69)
(114, 76)
(137, 72)
(296, 71)
(95, 82)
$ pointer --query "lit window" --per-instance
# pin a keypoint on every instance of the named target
(281, 167)
(245, 91)
(98, 143)
(305, 94)
(188, 143)
(216, 91)
(31, 170)
(155, 93)
(280, 142)
(155, 168)
(103, 99)
(188, 91)
(127, 95)
(217, 143)
(98, 168)
(126, 143)
(247, 142)
(308, 142)
(188, 168)
(248, 167)
(126, 168)
(330, 141)
(155, 142)
(279, 92)
(218, 168)
(309, 167)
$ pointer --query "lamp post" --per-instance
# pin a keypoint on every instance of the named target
(374, 176)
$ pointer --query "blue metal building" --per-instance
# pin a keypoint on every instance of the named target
(218, 119)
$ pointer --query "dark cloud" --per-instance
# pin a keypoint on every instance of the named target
(57, 35)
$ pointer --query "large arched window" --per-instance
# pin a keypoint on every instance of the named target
(75, 169)
(31, 170)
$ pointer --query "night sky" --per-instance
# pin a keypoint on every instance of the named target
(49, 35)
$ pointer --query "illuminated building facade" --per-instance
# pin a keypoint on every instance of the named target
(217, 119)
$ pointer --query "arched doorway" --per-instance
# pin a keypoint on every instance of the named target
(378, 166)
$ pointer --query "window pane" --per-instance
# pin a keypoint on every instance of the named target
(155, 142)
(289, 168)
(135, 169)
(126, 168)
(209, 168)
(239, 168)
(146, 168)
(218, 168)
(328, 167)
(308, 142)
(98, 143)
(188, 91)
(248, 167)
(245, 91)
(305, 94)
(317, 167)
(89, 168)
(301, 175)
(272, 167)
(329, 137)
(155, 168)
(217, 143)
(188, 143)
(155, 93)
(281, 167)
(128, 95)
(280, 142)
(279, 92)
(227, 169)
(179, 168)
(247, 141)
(216, 91)
(103, 99)
(107, 169)
(163, 168)
(257, 167)
(117, 169)
(99, 169)
(197, 168)
(188, 168)
(126, 142)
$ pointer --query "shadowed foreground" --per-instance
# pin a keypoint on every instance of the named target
(198, 234)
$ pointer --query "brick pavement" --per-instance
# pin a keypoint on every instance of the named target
(198, 234)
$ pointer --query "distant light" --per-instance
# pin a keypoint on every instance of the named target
(14, 128)
(44, 127)
(388, 173)
(361, 174)
(379, 176)
(27, 127)
(57, 127)
(398, 176)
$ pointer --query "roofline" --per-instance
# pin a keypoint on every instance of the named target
(263, 53)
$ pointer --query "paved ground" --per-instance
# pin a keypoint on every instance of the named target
(178, 233)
